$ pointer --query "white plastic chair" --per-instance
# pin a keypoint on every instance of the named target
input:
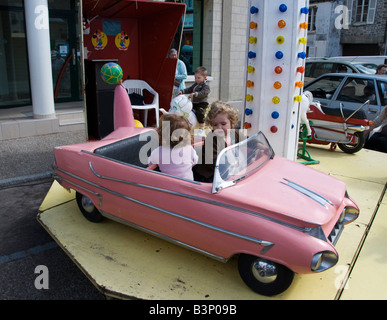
(138, 86)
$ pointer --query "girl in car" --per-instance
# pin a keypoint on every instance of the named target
(222, 118)
(175, 155)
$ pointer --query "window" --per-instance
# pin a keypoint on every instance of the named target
(382, 87)
(14, 81)
(364, 11)
(343, 68)
(190, 43)
(312, 19)
(325, 87)
(358, 90)
(322, 68)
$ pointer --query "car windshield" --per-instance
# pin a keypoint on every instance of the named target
(324, 88)
(240, 160)
(366, 68)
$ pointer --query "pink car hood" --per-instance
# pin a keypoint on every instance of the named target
(288, 191)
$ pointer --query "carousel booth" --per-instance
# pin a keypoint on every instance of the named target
(137, 35)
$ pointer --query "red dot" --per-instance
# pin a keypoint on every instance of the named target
(247, 125)
(301, 69)
(273, 129)
(278, 70)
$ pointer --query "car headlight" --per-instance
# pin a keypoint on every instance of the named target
(350, 215)
(323, 260)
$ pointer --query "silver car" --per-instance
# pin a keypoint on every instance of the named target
(352, 90)
(317, 67)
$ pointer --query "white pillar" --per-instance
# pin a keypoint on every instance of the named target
(39, 57)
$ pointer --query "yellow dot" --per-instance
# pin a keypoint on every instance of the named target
(303, 40)
(252, 40)
(280, 39)
(250, 69)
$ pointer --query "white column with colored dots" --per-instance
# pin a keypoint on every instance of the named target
(275, 65)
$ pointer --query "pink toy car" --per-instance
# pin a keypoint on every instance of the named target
(278, 216)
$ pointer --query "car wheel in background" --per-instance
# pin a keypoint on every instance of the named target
(89, 211)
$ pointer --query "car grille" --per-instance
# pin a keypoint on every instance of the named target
(336, 232)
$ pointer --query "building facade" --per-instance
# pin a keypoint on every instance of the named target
(214, 35)
(347, 27)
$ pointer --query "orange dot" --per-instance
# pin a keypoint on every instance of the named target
(304, 25)
(299, 84)
(281, 24)
(253, 25)
(277, 85)
(250, 83)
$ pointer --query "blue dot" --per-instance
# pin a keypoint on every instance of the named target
(254, 10)
(279, 54)
(252, 55)
(305, 10)
(275, 115)
(283, 7)
(248, 112)
(302, 55)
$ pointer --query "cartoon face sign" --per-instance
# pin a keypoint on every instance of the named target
(99, 40)
(122, 41)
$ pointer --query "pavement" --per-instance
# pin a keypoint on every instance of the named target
(25, 179)
(28, 159)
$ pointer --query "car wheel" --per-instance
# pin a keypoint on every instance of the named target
(263, 276)
(353, 148)
(89, 211)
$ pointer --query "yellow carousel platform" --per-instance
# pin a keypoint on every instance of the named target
(123, 262)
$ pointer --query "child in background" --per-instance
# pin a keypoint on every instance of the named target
(199, 92)
(175, 155)
(221, 118)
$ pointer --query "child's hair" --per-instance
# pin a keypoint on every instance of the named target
(179, 130)
(202, 71)
(218, 107)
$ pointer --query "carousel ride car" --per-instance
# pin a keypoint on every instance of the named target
(277, 216)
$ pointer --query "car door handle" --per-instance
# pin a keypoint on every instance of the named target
(372, 110)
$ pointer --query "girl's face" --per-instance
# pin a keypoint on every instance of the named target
(221, 122)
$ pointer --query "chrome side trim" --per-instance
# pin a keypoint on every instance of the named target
(315, 231)
(266, 244)
(163, 237)
(311, 194)
(215, 203)
(100, 198)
